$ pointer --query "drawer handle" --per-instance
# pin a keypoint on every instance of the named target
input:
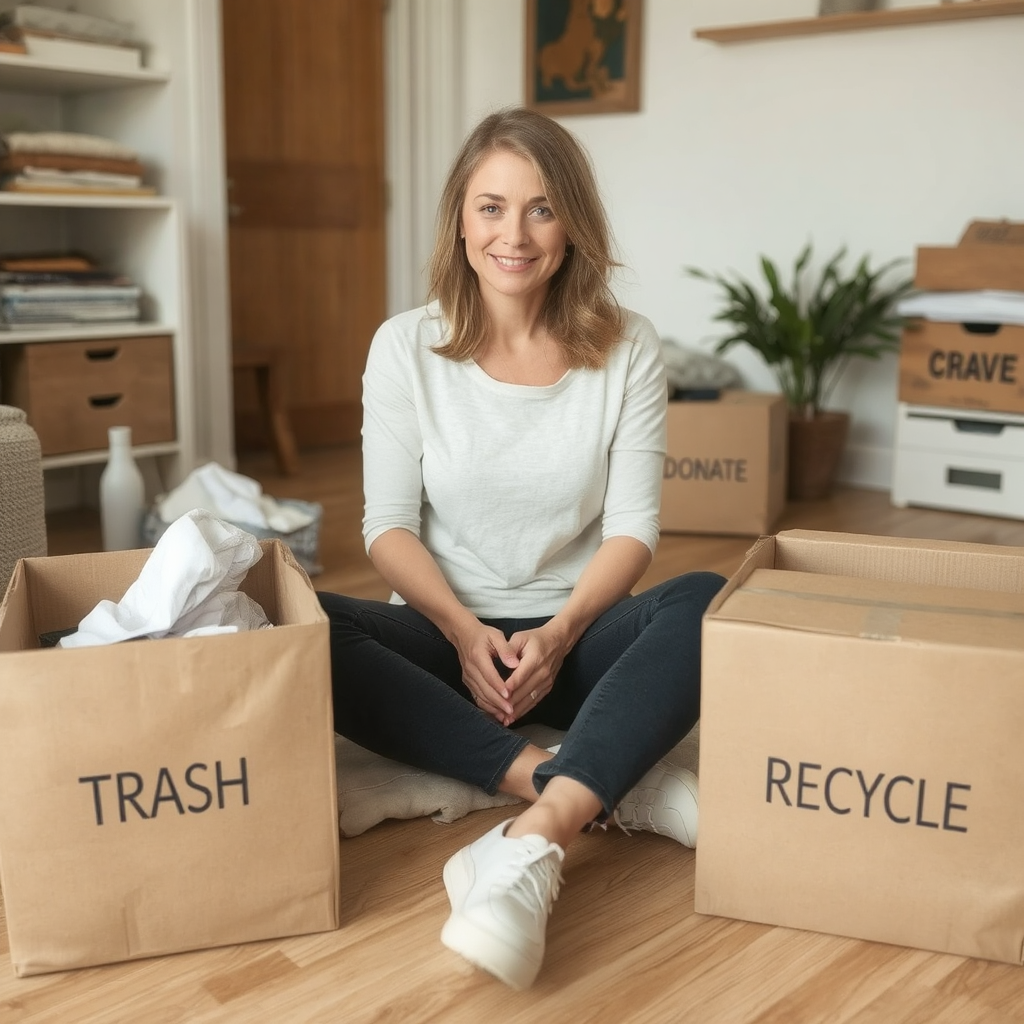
(974, 478)
(976, 328)
(102, 354)
(105, 401)
(978, 427)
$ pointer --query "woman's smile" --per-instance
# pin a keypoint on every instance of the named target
(513, 262)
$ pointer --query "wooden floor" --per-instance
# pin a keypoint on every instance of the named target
(624, 945)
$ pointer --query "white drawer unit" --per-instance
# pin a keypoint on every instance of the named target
(955, 459)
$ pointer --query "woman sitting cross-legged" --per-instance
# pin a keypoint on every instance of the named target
(513, 441)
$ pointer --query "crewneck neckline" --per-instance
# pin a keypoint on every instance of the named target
(483, 378)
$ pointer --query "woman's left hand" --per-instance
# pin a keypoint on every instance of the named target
(541, 652)
(615, 568)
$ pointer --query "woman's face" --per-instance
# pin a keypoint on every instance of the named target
(514, 242)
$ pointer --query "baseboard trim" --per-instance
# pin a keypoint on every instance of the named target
(868, 466)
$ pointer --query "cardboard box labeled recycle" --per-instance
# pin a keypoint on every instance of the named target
(860, 753)
(163, 795)
(725, 466)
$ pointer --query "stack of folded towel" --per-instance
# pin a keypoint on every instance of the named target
(69, 162)
(64, 288)
(67, 36)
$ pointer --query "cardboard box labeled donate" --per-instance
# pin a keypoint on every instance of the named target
(163, 795)
(725, 469)
(860, 751)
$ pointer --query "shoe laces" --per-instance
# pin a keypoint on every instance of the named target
(533, 879)
(636, 812)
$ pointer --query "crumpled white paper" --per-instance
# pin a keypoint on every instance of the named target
(188, 587)
(230, 496)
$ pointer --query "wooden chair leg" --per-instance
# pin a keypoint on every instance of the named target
(271, 395)
(285, 450)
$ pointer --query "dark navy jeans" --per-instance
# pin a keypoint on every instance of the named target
(625, 695)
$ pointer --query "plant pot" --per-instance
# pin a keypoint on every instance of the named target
(815, 448)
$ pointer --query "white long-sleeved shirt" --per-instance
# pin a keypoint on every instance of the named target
(512, 488)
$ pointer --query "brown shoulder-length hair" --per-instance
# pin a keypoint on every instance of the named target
(579, 310)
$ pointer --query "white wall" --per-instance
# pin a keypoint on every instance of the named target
(878, 140)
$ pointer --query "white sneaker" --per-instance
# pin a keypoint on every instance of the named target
(501, 891)
(663, 801)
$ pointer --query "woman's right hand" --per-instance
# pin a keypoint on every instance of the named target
(409, 569)
(480, 649)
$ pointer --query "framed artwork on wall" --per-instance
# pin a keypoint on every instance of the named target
(583, 56)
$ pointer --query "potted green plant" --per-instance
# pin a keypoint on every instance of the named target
(807, 332)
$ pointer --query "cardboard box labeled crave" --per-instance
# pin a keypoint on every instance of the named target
(860, 754)
(990, 254)
(966, 366)
(725, 470)
(163, 795)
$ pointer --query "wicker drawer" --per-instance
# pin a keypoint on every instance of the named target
(74, 391)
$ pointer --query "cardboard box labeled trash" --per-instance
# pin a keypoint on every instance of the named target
(860, 751)
(167, 794)
(725, 467)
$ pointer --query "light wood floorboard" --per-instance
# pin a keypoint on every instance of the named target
(624, 944)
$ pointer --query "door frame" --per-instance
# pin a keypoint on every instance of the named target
(206, 231)
(425, 125)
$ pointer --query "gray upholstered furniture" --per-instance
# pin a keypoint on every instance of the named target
(22, 512)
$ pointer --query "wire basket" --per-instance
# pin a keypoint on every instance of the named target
(303, 542)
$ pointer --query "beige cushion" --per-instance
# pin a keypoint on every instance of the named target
(22, 513)
(372, 788)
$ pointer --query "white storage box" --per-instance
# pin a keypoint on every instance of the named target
(953, 459)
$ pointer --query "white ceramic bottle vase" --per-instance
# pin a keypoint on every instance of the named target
(122, 494)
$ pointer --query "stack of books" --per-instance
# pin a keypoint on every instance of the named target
(61, 290)
(67, 37)
(69, 162)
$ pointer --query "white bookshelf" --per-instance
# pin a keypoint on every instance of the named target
(20, 73)
(39, 335)
(71, 201)
(142, 237)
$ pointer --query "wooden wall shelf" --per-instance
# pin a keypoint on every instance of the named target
(864, 20)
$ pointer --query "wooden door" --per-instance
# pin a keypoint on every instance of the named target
(304, 135)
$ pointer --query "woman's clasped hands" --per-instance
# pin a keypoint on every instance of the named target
(509, 677)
